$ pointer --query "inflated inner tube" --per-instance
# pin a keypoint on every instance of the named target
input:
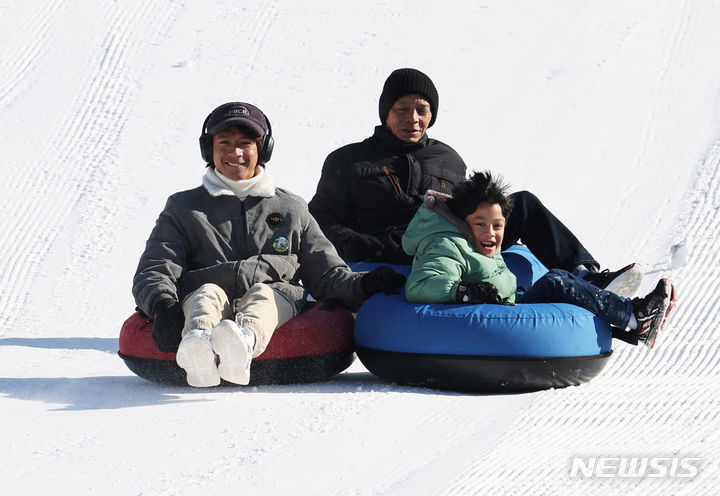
(314, 346)
(483, 348)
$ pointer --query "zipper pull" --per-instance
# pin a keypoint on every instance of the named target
(393, 181)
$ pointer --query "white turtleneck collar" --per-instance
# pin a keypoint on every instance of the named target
(262, 184)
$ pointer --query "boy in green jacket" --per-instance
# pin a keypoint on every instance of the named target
(455, 242)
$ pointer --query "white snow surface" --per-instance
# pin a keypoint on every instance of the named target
(608, 111)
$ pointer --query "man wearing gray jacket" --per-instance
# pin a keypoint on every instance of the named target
(222, 267)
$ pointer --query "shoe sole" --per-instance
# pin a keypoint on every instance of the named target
(234, 355)
(196, 356)
(671, 308)
(627, 283)
(669, 305)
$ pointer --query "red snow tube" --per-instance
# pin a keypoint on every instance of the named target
(313, 346)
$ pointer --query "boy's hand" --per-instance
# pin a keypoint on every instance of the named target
(478, 292)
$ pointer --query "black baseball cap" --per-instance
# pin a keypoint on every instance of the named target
(237, 114)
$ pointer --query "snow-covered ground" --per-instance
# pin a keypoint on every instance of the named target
(609, 111)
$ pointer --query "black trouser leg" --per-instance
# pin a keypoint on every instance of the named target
(630, 337)
(544, 234)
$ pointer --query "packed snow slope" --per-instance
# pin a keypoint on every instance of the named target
(608, 111)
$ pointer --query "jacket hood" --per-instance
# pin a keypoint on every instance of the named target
(428, 223)
(435, 217)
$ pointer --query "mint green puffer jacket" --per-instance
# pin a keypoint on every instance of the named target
(443, 258)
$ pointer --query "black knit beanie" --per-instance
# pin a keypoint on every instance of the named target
(406, 82)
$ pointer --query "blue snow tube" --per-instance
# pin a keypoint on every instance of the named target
(482, 348)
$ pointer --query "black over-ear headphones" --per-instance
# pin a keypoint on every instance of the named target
(264, 154)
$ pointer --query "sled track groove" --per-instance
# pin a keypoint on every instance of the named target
(261, 29)
(26, 44)
(84, 147)
(691, 341)
(71, 143)
(671, 55)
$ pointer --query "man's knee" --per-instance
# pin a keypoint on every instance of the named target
(209, 290)
(205, 307)
(524, 199)
(205, 298)
(265, 295)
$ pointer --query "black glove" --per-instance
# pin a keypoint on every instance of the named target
(361, 247)
(168, 321)
(478, 292)
(382, 279)
(392, 247)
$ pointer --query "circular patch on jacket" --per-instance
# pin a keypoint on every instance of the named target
(275, 219)
(281, 245)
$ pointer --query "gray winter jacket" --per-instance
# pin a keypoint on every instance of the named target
(236, 243)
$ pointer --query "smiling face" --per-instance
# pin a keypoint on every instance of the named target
(409, 117)
(488, 226)
(235, 153)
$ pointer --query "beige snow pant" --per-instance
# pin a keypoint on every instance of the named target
(263, 311)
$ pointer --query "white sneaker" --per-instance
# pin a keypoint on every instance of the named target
(196, 356)
(627, 281)
(234, 345)
(622, 282)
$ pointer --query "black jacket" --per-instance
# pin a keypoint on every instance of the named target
(369, 191)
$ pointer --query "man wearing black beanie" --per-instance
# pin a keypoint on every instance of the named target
(369, 191)
(408, 82)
